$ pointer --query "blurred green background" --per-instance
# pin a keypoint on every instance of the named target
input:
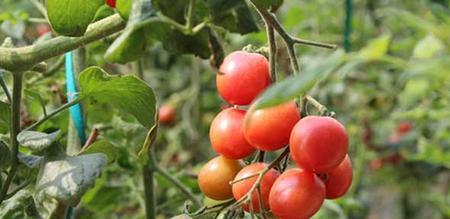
(392, 94)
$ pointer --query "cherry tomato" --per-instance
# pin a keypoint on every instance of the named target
(166, 114)
(339, 180)
(111, 3)
(404, 127)
(376, 164)
(242, 76)
(215, 176)
(241, 188)
(318, 144)
(43, 29)
(269, 129)
(296, 194)
(227, 134)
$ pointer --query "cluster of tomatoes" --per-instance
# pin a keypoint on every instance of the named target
(318, 145)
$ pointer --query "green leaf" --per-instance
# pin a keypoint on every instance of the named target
(102, 146)
(103, 197)
(127, 93)
(376, 48)
(5, 115)
(239, 19)
(128, 47)
(428, 47)
(35, 96)
(131, 44)
(415, 90)
(36, 141)
(5, 156)
(67, 179)
(196, 44)
(298, 85)
(71, 17)
(124, 8)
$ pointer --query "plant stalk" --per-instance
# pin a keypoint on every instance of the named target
(15, 129)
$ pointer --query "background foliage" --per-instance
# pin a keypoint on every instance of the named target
(397, 70)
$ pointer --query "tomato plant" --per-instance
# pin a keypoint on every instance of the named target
(156, 109)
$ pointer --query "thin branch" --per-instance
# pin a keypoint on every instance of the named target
(37, 20)
(260, 175)
(23, 58)
(321, 108)
(314, 43)
(40, 7)
(4, 87)
(262, 211)
(272, 52)
(190, 15)
(56, 111)
(174, 181)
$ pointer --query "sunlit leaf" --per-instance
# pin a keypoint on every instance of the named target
(375, 49)
(127, 93)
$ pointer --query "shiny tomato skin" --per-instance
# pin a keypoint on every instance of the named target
(241, 188)
(339, 180)
(166, 114)
(215, 176)
(227, 134)
(111, 3)
(242, 76)
(296, 194)
(269, 129)
(318, 143)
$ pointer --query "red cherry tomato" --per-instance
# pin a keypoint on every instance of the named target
(227, 134)
(404, 127)
(242, 76)
(215, 176)
(269, 129)
(376, 164)
(111, 3)
(241, 188)
(339, 180)
(43, 29)
(296, 194)
(166, 114)
(318, 144)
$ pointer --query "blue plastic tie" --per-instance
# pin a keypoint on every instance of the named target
(75, 111)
